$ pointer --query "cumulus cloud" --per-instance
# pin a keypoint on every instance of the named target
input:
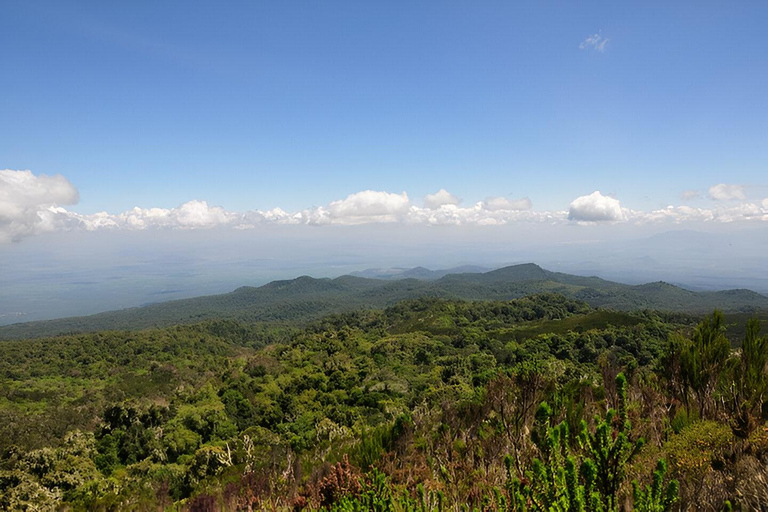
(369, 205)
(197, 214)
(494, 204)
(594, 42)
(440, 198)
(25, 200)
(190, 215)
(479, 215)
(723, 192)
(690, 194)
(765, 203)
(595, 208)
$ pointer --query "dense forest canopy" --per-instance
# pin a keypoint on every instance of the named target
(537, 403)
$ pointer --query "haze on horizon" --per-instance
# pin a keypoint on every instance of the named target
(165, 151)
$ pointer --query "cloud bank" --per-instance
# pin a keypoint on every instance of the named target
(31, 204)
(495, 204)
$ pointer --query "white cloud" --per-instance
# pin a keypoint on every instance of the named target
(502, 203)
(440, 198)
(25, 200)
(596, 42)
(366, 206)
(742, 212)
(690, 194)
(479, 215)
(765, 203)
(723, 192)
(190, 215)
(197, 214)
(595, 208)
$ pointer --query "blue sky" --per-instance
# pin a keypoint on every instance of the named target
(161, 150)
(251, 106)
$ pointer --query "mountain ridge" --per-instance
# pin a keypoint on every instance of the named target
(305, 298)
(417, 272)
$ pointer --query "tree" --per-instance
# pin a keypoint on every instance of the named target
(513, 398)
(750, 383)
(703, 358)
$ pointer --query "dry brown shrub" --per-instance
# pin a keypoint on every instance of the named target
(203, 503)
(343, 480)
(329, 484)
(299, 503)
(752, 484)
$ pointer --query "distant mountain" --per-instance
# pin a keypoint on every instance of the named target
(306, 298)
(417, 272)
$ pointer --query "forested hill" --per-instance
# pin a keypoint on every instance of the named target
(306, 298)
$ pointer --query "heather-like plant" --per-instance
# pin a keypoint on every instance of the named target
(656, 497)
(609, 449)
(588, 481)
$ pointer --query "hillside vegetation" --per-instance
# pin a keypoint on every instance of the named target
(539, 403)
(306, 298)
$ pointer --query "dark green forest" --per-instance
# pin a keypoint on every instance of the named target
(538, 403)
